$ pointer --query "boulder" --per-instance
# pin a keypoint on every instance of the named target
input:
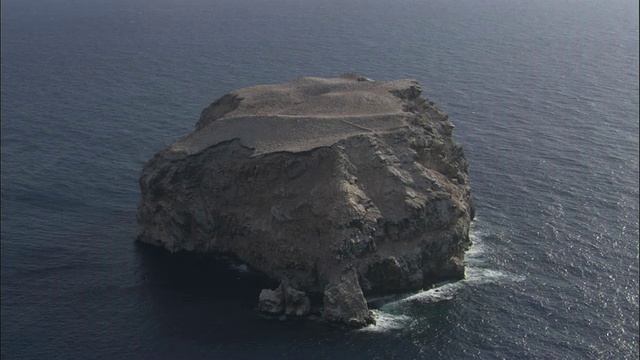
(343, 187)
(271, 301)
(284, 300)
(297, 303)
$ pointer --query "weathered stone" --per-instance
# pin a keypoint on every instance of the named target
(344, 301)
(296, 302)
(284, 299)
(271, 301)
(305, 179)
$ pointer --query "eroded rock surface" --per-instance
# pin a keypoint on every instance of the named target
(344, 301)
(284, 300)
(343, 187)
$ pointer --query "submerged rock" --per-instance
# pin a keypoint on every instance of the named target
(343, 187)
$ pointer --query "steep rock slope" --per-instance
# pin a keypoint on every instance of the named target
(342, 187)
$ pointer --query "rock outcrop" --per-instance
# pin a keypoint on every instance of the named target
(284, 299)
(342, 187)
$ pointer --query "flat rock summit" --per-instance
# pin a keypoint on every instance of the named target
(339, 189)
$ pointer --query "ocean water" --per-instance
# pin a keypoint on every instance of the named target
(544, 96)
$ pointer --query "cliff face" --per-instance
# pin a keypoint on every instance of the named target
(344, 187)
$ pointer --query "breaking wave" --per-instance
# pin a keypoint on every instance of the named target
(387, 322)
(475, 274)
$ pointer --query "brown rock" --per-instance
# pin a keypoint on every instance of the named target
(305, 179)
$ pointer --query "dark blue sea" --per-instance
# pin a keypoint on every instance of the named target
(544, 96)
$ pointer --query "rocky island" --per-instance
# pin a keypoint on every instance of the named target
(338, 188)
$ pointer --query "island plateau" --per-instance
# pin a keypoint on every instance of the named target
(339, 189)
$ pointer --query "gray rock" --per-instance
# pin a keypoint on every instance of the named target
(284, 299)
(296, 302)
(305, 179)
(344, 301)
(271, 301)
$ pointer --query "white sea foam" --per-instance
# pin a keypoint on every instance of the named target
(440, 293)
(448, 291)
(474, 255)
(387, 322)
(243, 268)
(475, 274)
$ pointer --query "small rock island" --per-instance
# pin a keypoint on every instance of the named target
(338, 188)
